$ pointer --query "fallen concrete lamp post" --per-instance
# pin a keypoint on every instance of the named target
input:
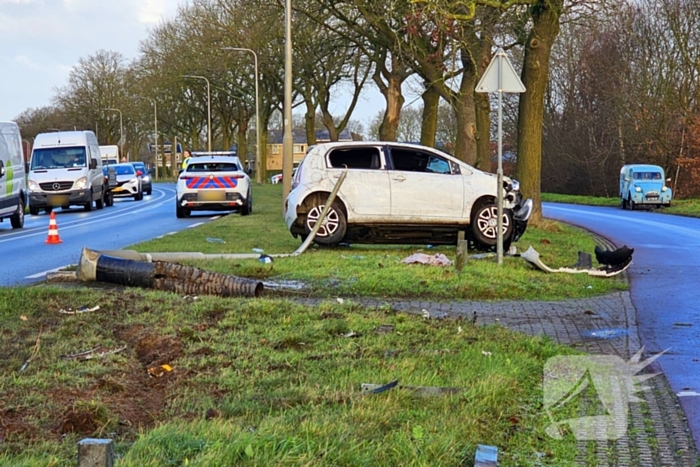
(161, 275)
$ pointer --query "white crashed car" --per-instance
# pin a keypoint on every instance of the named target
(401, 193)
(213, 183)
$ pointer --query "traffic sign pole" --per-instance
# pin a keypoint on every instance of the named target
(500, 77)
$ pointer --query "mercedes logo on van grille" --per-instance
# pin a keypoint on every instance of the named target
(56, 186)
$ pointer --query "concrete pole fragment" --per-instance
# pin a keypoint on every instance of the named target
(94, 452)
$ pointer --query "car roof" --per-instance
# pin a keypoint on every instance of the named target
(214, 158)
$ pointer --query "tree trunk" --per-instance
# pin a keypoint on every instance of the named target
(242, 149)
(482, 107)
(389, 127)
(431, 103)
(465, 113)
(310, 122)
(545, 15)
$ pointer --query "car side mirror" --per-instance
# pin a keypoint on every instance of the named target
(139, 173)
(93, 163)
(2, 169)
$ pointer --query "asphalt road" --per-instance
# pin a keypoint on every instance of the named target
(25, 257)
(664, 278)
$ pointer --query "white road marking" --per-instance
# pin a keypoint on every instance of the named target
(687, 393)
(195, 225)
(40, 274)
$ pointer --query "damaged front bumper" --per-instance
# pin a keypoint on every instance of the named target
(521, 214)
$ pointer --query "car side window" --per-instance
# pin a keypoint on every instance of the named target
(410, 160)
(355, 158)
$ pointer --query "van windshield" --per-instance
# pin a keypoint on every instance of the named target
(646, 176)
(58, 158)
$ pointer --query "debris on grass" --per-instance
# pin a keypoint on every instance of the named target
(159, 371)
(370, 388)
(91, 354)
(486, 456)
(438, 259)
(84, 309)
(35, 350)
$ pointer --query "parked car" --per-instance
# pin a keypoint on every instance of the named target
(401, 193)
(128, 181)
(146, 182)
(213, 183)
(277, 178)
(643, 185)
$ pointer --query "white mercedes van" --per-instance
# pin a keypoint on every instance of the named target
(12, 177)
(65, 170)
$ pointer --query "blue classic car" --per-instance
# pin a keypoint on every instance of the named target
(643, 185)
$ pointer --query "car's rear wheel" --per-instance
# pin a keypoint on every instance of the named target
(630, 204)
(181, 212)
(17, 219)
(332, 229)
(248, 206)
(485, 226)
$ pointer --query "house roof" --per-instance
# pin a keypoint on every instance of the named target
(299, 136)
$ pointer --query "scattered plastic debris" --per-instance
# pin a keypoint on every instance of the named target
(96, 352)
(605, 333)
(215, 240)
(353, 257)
(438, 259)
(485, 353)
(265, 259)
(259, 251)
(35, 349)
(486, 456)
(159, 371)
(340, 300)
(369, 388)
(83, 309)
(350, 334)
(384, 329)
(23, 317)
(533, 257)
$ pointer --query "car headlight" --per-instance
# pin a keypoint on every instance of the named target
(81, 183)
(664, 188)
(146, 179)
(33, 186)
(637, 189)
(515, 185)
(134, 181)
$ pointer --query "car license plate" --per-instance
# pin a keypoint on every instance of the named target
(58, 200)
(211, 195)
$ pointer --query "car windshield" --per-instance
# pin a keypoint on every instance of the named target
(213, 167)
(58, 158)
(124, 169)
(646, 175)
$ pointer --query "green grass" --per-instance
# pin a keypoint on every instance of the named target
(377, 271)
(682, 207)
(264, 382)
(268, 381)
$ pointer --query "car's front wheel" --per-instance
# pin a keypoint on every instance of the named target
(630, 204)
(33, 210)
(248, 206)
(485, 226)
(333, 227)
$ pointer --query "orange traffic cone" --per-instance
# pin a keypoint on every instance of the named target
(53, 231)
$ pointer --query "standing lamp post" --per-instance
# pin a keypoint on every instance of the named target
(26, 151)
(121, 130)
(287, 140)
(258, 130)
(155, 126)
(208, 107)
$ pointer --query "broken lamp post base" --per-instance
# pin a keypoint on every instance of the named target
(161, 275)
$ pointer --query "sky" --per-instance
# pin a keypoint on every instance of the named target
(42, 40)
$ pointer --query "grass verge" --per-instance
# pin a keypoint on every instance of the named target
(377, 271)
(264, 382)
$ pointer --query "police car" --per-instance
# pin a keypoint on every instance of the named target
(213, 183)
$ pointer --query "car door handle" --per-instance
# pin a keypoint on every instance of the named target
(399, 178)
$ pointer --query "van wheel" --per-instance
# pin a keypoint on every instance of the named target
(48, 209)
(17, 219)
(33, 210)
(630, 204)
(100, 203)
(109, 199)
(88, 206)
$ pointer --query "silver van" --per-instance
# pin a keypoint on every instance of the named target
(13, 190)
(65, 170)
